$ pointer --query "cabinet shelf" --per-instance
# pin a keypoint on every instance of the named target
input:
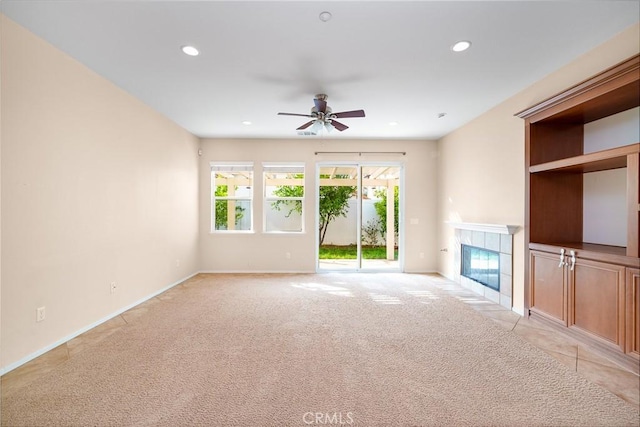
(612, 254)
(614, 158)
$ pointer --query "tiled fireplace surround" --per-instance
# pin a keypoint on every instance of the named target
(498, 238)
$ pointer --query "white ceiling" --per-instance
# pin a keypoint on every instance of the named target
(392, 59)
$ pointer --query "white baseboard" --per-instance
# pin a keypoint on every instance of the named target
(257, 272)
(445, 276)
(313, 272)
(30, 357)
(518, 311)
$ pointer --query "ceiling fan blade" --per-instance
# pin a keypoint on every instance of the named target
(347, 114)
(306, 125)
(295, 114)
(320, 105)
(339, 125)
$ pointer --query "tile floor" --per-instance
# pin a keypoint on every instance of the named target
(574, 355)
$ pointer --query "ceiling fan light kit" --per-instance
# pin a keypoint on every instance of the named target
(323, 117)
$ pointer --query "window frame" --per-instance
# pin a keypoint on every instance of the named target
(232, 167)
(289, 167)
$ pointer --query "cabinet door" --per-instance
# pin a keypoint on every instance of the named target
(633, 312)
(548, 286)
(597, 300)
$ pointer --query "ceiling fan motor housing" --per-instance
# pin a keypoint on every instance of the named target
(322, 115)
(319, 114)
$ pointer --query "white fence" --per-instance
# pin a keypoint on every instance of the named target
(342, 231)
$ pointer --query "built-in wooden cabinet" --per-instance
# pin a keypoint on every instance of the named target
(597, 301)
(549, 286)
(582, 294)
(633, 312)
(587, 287)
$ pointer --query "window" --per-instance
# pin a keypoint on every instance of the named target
(232, 197)
(283, 198)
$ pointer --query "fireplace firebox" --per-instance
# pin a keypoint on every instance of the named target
(481, 265)
(497, 240)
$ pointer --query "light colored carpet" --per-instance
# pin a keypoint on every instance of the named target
(281, 350)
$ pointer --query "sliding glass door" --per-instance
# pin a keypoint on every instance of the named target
(380, 224)
(358, 217)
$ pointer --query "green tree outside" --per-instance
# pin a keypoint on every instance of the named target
(221, 208)
(381, 209)
(334, 202)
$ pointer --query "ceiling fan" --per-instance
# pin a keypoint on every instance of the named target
(322, 116)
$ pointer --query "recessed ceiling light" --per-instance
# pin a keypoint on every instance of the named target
(190, 50)
(460, 46)
(246, 122)
(393, 123)
(325, 16)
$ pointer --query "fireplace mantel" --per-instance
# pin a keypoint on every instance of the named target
(490, 228)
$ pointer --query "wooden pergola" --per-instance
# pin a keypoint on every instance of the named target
(382, 177)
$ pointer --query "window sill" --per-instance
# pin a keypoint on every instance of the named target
(232, 232)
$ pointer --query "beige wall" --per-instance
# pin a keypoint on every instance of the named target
(266, 252)
(481, 167)
(96, 187)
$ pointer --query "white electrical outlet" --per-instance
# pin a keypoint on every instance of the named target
(177, 263)
(113, 287)
(40, 314)
(287, 255)
(421, 255)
